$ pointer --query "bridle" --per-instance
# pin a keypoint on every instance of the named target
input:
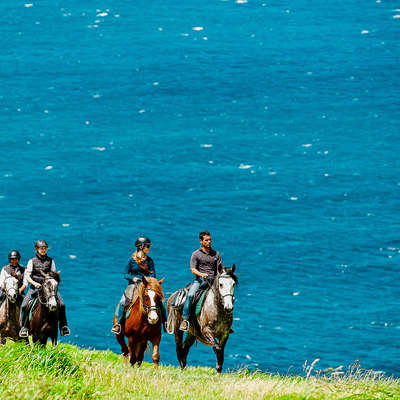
(52, 295)
(222, 296)
(147, 308)
(7, 290)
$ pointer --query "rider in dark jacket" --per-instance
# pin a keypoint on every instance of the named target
(40, 263)
(139, 265)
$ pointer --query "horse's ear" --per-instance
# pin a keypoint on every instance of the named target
(161, 281)
(144, 281)
(233, 267)
(220, 268)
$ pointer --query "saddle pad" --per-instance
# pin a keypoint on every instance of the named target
(179, 299)
(31, 307)
(200, 300)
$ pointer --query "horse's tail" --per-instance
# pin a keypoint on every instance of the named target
(171, 321)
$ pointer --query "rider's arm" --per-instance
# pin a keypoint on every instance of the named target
(27, 275)
(128, 271)
(3, 279)
(193, 267)
(53, 266)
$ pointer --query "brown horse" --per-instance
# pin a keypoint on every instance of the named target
(10, 308)
(143, 323)
(44, 322)
(213, 325)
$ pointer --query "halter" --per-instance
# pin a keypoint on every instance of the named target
(222, 296)
(151, 308)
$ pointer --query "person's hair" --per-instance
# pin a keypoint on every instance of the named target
(204, 233)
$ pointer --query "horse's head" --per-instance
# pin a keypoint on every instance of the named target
(226, 281)
(49, 290)
(12, 285)
(151, 295)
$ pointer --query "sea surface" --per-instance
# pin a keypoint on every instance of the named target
(273, 124)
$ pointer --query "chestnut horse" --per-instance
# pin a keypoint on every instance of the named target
(44, 322)
(213, 325)
(143, 324)
(9, 310)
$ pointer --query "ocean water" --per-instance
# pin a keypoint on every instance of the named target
(274, 125)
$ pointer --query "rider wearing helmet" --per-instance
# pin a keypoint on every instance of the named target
(33, 275)
(13, 268)
(139, 265)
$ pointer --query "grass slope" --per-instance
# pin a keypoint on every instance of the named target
(68, 372)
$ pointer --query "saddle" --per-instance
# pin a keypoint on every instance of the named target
(179, 299)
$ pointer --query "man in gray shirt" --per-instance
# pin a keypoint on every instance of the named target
(204, 264)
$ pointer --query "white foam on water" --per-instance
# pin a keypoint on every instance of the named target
(211, 162)
(205, 38)
(72, 256)
(116, 15)
(296, 293)
(241, 1)
(27, 5)
(364, 32)
(156, 83)
(245, 166)
(236, 319)
(197, 28)
(294, 198)
(99, 148)
(96, 96)
(248, 357)
(43, 193)
(396, 16)
(103, 14)
(48, 167)
(272, 172)
(307, 145)
(87, 122)
(65, 225)
(206, 145)
(130, 195)
(141, 111)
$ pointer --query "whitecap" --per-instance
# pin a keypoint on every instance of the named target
(156, 83)
(248, 357)
(72, 256)
(96, 96)
(99, 148)
(211, 162)
(364, 32)
(65, 225)
(245, 166)
(396, 16)
(206, 145)
(27, 5)
(43, 193)
(272, 172)
(103, 14)
(197, 28)
(87, 122)
(48, 167)
(294, 198)
(307, 145)
(296, 293)
(141, 111)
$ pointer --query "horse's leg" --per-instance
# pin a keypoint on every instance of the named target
(121, 340)
(179, 345)
(54, 341)
(186, 347)
(140, 349)
(131, 347)
(219, 352)
(156, 351)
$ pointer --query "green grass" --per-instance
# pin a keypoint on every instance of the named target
(68, 372)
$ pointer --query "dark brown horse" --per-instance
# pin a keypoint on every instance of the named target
(9, 310)
(213, 325)
(143, 324)
(44, 322)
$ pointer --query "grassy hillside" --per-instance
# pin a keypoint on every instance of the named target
(68, 372)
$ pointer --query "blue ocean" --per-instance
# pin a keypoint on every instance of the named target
(273, 124)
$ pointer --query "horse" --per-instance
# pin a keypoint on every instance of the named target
(10, 309)
(213, 325)
(44, 321)
(143, 323)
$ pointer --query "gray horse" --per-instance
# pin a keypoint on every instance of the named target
(213, 325)
(9, 310)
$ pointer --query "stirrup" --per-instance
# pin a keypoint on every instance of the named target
(64, 331)
(24, 332)
(184, 326)
(116, 329)
(231, 331)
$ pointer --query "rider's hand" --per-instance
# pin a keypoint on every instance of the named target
(135, 280)
(37, 285)
(204, 276)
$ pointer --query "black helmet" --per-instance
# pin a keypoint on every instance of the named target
(14, 254)
(41, 243)
(142, 241)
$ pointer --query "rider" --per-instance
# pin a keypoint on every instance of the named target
(40, 263)
(204, 264)
(12, 268)
(139, 265)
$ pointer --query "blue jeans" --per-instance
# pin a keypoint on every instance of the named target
(192, 290)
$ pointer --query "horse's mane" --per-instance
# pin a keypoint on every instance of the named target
(152, 284)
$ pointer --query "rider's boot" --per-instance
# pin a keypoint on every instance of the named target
(116, 329)
(24, 332)
(65, 331)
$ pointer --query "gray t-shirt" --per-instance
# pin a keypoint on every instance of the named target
(206, 263)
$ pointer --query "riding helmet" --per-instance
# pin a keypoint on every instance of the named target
(142, 241)
(14, 254)
(41, 243)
